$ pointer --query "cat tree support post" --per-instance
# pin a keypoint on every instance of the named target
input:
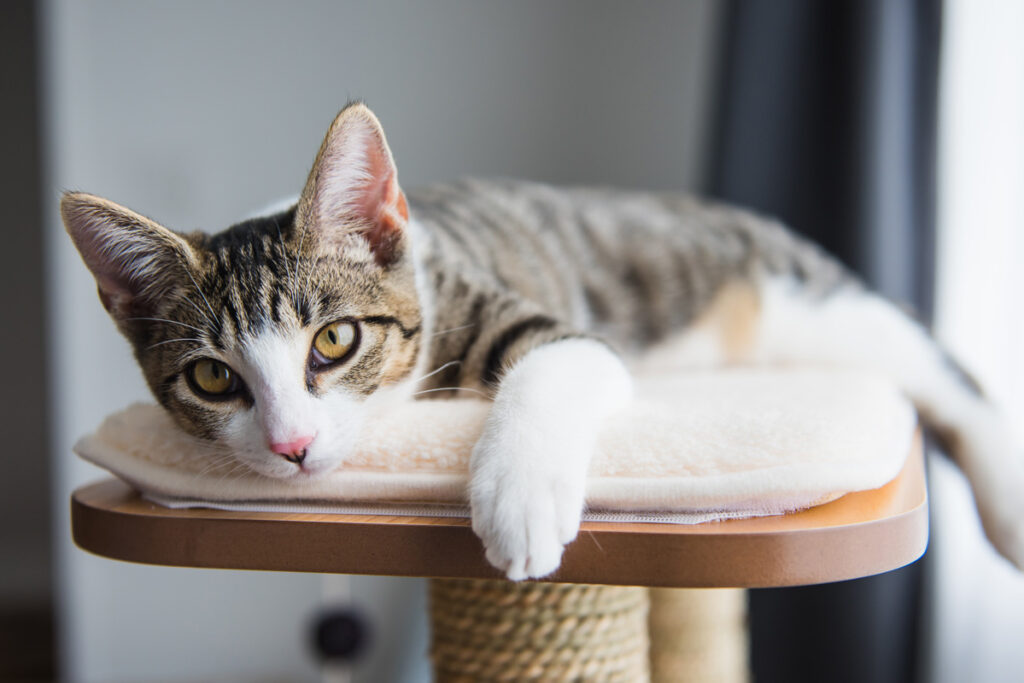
(698, 635)
(503, 631)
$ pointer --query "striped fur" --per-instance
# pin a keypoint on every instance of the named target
(520, 264)
(531, 295)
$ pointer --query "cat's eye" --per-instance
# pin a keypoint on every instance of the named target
(334, 342)
(211, 378)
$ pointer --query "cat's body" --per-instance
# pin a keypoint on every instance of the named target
(279, 335)
(516, 260)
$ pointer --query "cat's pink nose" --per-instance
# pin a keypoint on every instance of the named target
(294, 450)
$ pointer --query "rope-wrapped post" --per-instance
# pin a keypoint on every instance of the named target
(699, 635)
(503, 631)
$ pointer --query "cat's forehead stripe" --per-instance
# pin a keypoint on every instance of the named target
(251, 277)
(253, 229)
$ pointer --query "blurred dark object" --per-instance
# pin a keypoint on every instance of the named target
(341, 635)
(27, 643)
(826, 118)
(27, 650)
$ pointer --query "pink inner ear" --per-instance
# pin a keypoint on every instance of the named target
(378, 192)
(360, 181)
(385, 230)
(99, 241)
(372, 198)
(116, 298)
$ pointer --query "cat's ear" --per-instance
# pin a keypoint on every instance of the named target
(135, 261)
(354, 185)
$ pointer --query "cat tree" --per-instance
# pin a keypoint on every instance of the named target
(592, 620)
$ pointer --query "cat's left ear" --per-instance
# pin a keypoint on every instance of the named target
(354, 186)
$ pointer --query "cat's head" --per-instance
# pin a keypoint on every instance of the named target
(270, 338)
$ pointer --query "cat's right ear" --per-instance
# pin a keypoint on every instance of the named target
(353, 187)
(135, 261)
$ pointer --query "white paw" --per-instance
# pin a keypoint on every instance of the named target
(524, 510)
(529, 468)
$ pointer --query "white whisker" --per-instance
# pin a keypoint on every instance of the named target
(305, 287)
(172, 322)
(298, 257)
(454, 329)
(446, 365)
(593, 537)
(171, 341)
(428, 391)
(237, 472)
(200, 311)
(219, 462)
(196, 285)
(284, 255)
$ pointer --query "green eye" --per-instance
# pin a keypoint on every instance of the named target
(335, 341)
(212, 377)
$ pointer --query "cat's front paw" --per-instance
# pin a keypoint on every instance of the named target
(525, 509)
(529, 468)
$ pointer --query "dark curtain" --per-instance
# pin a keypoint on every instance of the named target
(826, 116)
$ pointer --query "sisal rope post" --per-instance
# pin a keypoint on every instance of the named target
(698, 634)
(503, 631)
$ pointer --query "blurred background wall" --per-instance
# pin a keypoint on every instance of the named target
(196, 113)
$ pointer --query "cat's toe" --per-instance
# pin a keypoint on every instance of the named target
(522, 524)
(536, 560)
(523, 543)
(497, 559)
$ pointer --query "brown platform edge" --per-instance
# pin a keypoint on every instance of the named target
(860, 534)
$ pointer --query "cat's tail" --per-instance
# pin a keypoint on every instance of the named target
(854, 327)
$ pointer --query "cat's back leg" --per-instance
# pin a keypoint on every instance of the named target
(775, 319)
(724, 332)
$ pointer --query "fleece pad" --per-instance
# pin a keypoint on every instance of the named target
(693, 446)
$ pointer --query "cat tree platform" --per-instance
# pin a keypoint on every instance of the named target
(858, 535)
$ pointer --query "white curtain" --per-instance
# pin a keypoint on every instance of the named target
(979, 610)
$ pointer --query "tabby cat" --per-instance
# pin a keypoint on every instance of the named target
(279, 335)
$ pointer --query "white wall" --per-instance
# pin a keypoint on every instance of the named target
(979, 597)
(197, 112)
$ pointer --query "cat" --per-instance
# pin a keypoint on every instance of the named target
(277, 336)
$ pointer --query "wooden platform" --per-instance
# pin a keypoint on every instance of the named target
(858, 535)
